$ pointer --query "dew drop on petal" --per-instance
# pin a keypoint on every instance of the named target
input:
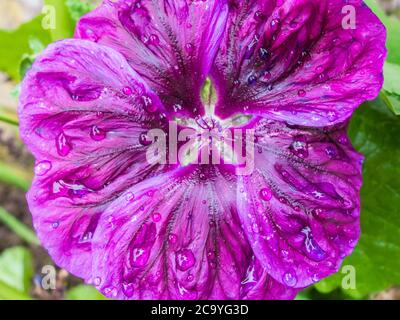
(139, 256)
(189, 48)
(148, 104)
(128, 289)
(55, 224)
(97, 281)
(184, 259)
(156, 217)
(258, 16)
(97, 134)
(275, 24)
(86, 237)
(252, 80)
(311, 247)
(144, 140)
(290, 279)
(299, 147)
(315, 278)
(42, 167)
(301, 93)
(154, 40)
(172, 238)
(62, 145)
(266, 194)
(127, 91)
(129, 196)
(331, 152)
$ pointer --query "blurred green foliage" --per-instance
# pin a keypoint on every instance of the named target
(16, 271)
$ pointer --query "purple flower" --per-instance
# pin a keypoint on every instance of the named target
(289, 71)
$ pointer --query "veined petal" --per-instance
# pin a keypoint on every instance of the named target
(300, 207)
(170, 43)
(180, 239)
(302, 62)
(82, 114)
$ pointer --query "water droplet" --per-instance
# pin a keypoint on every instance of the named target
(290, 279)
(148, 104)
(275, 24)
(266, 76)
(184, 259)
(252, 80)
(315, 278)
(139, 256)
(332, 116)
(301, 93)
(299, 147)
(266, 194)
(128, 289)
(129, 196)
(62, 144)
(331, 152)
(156, 217)
(263, 53)
(154, 40)
(312, 249)
(127, 91)
(189, 48)
(258, 16)
(172, 238)
(42, 167)
(144, 140)
(55, 225)
(97, 281)
(97, 134)
(86, 237)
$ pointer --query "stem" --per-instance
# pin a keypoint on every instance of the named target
(9, 120)
(8, 116)
(9, 293)
(18, 227)
(14, 176)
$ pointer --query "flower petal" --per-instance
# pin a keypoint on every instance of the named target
(299, 61)
(171, 44)
(84, 132)
(179, 239)
(300, 207)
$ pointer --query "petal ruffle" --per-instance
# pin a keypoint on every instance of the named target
(297, 61)
(171, 44)
(180, 239)
(300, 207)
(81, 114)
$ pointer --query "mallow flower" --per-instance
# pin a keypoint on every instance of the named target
(288, 73)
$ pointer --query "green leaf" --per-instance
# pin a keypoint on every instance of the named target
(375, 133)
(84, 292)
(392, 100)
(9, 293)
(64, 25)
(15, 44)
(390, 93)
(393, 31)
(16, 269)
(391, 72)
